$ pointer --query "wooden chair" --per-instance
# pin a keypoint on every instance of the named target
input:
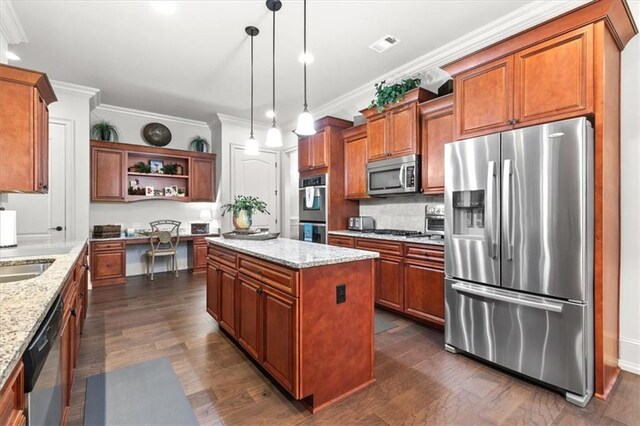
(163, 243)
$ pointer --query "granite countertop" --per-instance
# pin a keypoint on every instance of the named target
(293, 253)
(24, 304)
(418, 240)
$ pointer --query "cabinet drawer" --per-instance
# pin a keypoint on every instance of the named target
(199, 241)
(221, 255)
(424, 253)
(108, 245)
(342, 241)
(278, 277)
(382, 247)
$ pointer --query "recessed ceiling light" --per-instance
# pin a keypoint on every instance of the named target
(384, 43)
(306, 57)
(12, 56)
(270, 114)
(164, 7)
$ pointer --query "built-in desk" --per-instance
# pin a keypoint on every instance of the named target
(109, 256)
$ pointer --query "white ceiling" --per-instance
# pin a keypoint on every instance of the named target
(195, 62)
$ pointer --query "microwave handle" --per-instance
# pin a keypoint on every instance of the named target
(401, 176)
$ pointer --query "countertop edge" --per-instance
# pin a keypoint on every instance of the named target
(372, 236)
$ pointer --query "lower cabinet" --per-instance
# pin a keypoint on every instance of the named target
(108, 263)
(199, 255)
(227, 317)
(390, 287)
(12, 398)
(249, 306)
(213, 290)
(424, 292)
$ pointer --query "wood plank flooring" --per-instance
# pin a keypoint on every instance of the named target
(417, 381)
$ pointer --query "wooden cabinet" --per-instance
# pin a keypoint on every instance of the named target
(228, 279)
(527, 87)
(250, 310)
(12, 401)
(115, 165)
(390, 288)
(24, 129)
(199, 255)
(340, 240)
(312, 152)
(108, 263)
(202, 179)
(355, 162)
(436, 129)
(213, 289)
(424, 292)
(394, 131)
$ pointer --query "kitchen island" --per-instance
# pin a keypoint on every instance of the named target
(302, 311)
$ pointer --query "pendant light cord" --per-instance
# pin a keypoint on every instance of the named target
(273, 122)
(304, 48)
(252, 86)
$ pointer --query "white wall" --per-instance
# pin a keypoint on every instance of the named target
(630, 204)
(138, 215)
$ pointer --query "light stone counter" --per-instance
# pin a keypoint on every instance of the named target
(24, 304)
(418, 240)
(293, 253)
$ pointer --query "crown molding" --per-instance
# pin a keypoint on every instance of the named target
(221, 119)
(151, 115)
(513, 23)
(91, 93)
(10, 24)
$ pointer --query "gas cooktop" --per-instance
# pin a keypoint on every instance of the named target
(399, 232)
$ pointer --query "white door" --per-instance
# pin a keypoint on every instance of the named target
(257, 175)
(44, 215)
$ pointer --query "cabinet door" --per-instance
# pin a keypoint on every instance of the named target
(390, 283)
(107, 172)
(551, 78)
(355, 168)
(249, 311)
(377, 137)
(424, 292)
(213, 290)
(16, 137)
(228, 300)
(199, 256)
(437, 130)
(280, 312)
(319, 150)
(66, 365)
(202, 178)
(403, 135)
(484, 99)
(41, 143)
(108, 265)
(305, 161)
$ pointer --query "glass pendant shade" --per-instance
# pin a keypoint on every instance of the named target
(274, 138)
(306, 126)
(251, 146)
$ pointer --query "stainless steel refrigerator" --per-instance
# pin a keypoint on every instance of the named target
(519, 252)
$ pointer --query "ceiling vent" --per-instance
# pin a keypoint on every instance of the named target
(384, 43)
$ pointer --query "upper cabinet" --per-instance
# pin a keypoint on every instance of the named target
(24, 130)
(314, 152)
(546, 82)
(116, 175)
(436, 129)
(394, 131)
(355, 162)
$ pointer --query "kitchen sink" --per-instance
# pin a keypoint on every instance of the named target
(11, 273)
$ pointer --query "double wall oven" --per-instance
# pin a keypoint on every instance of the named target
(312, 203)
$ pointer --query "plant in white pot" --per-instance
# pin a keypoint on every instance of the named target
(243, 208)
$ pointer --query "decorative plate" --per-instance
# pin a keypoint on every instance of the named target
(156, 134)
(255, 237)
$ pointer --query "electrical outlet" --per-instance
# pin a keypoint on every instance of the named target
(341, 293)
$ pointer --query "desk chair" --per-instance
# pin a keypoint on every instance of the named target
(163, 244)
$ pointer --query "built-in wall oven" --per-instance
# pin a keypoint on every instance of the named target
(399, 175)
(313, 209)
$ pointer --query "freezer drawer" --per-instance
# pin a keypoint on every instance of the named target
(543, 338)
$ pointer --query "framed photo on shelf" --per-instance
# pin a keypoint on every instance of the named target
(158, 193)
(156, 166)
(169, 192)
(199, 228)
(182, 192)
(149, 191)
(179, 170)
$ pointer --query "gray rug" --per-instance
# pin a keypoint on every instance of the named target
(382, 324)
(148, 393)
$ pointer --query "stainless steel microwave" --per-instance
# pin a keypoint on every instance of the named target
(394, 176)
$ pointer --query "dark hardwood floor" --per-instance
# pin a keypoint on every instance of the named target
(417, 381)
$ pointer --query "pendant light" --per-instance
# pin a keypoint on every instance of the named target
(274, 136)
(251, 145)
(306, 125)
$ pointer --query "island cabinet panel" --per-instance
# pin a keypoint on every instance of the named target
(436, 130)
(202, 179)
(107, 174)
(12, 401)
(290, 322)
(213, 290)
(355, 162)
(228, 278)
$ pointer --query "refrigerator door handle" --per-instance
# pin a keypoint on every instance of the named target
(489, 294)
(506, 202)
(489, 229)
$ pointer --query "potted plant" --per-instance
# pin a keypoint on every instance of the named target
(199, 144)
(105, 131)
(391, 94)
(243, 208)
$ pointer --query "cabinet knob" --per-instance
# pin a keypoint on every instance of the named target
(73, 312)
(40, 185)
(85, 267)
(508, 122)
(45, 187)
(515, 120)
(260, 271)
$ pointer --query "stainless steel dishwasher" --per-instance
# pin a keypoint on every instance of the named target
(43, 376)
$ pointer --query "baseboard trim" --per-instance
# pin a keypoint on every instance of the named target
(630, 355)
(629, 366)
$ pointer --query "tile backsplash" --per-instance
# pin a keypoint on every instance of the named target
(399, 212)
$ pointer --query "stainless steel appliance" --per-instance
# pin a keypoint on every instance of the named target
(313, 232)
(312, 200)
(394, 176)
(519, 252)
(43, 376)
(361, 223)
(434, 219)
(399, 233)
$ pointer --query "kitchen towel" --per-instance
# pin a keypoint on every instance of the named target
(309, 195)
(307, 232)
